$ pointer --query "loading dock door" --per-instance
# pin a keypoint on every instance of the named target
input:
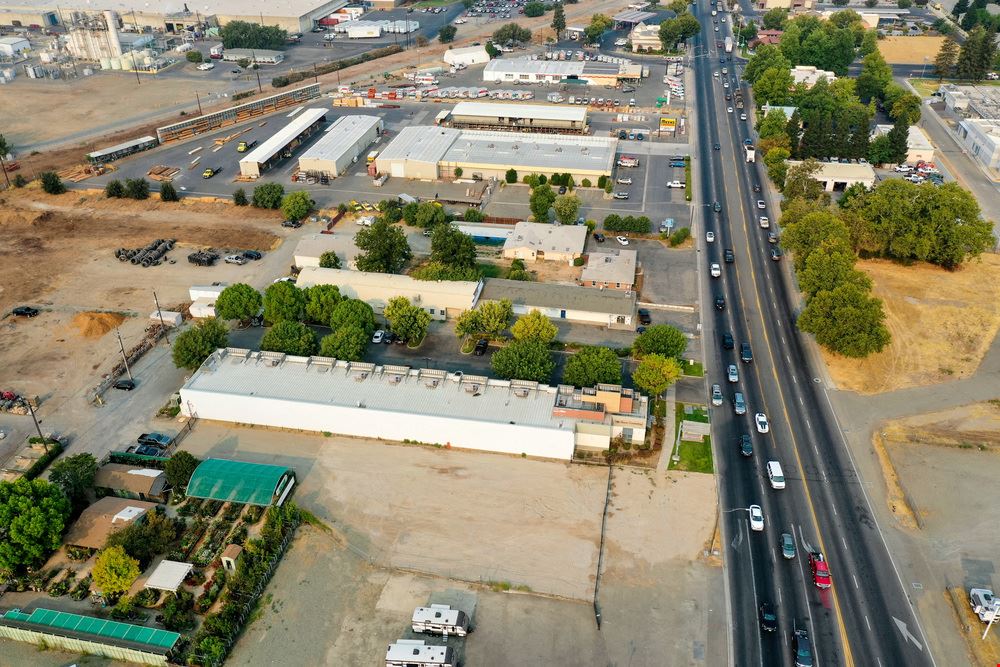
(397, 169)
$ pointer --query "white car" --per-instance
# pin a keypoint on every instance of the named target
(710, 237)
(204, 67)
(760, 420)
(622, 240)
(716, 28)
(725, 85)
(756, 518)
(621, 42)
(715, 270)
(378, 336)
(914, 178)
(236, 259)
(459, 21)
(624, 181)
(733, 373)
(743, 116)
(716, 395)
(730, 109)
(764, 222)
(761, 204)
(902, 168)
(674, 184)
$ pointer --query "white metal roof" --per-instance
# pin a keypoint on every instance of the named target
(169, 575)
(416, 652)
(547, 238)
(274, 8)
(436, 613)
(380, 287)
(916, 140)
(536, 111)
(544, 153)
(539, 67)
(340, 137)
(282, 137)
(423, 143)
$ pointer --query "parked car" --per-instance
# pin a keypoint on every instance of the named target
(204, 67)
(902, 169)
(644, 317)
(244, 146)
(760, 421)
(124, 385)
(621, 195)
(562, 189)
(678, 164)
(388, 338)
(210, 172)
(294, 224)
(378, 336)
(252, 254)
(481, 346)
(622, 240)
(236, 259)
(624, 181)
(756, 518)
(25, 311)
(674, 184)
(787, 546)
(599, 237)
(154, 440)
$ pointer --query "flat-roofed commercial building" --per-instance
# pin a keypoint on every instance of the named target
(610, 270)
(282, 143)
(918, 146)
(442, 299)
(521, 117)
(466, 55)
(838, 176)
(537, 241)
(590, 72)
(401, 403)
(611, 308)
(341, 145)
(981, 137)
(431, 152)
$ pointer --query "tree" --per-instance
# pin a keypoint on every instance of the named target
(774, 86)
(291, 338)
(144, 540)
(52, 184)
(75, 476)
(598, 24)
(558, 21)
(114, 571)
(535, 326)
(541, 201)
(6, 149)
(511, 175)
(383, 248)
(194, 56)
(534, 9)
(774, 19)
(194, 346)
(452, 247)
(880, 151)
(114, 189)
(960, 8)
(768, 56)
(946, 58)
(803, 235)
(566, 208)
(296, 205)
(473, 215)
(511, 33)
(799, 182)
(776, 161)
(869, 43)
(283, 301)
(329, 260)
(349, 343)
(447, 34)
(523, 360)
(871, 3)
(240, 197)
(772, 124)
(321, 301)
(168, 192)
(976, 56)
(33, 515)
(747, 33)
(179, 468)
(492, 51)
(662, 339)
(827, 267)
(268, 195)
(353, 312)
(406, 320)
(655, 373)
(137, 188)
(899, 137)
(246, 35)
(238, 302)
(906, 109)
(875, 75)
(591, 366)
(427, 214)
(846, 320)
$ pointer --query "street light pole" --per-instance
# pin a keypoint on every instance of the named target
(124, 356)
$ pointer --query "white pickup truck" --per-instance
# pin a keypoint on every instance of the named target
(984, 604)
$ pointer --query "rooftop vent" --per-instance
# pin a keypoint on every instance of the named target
(395, 379)
(360, 376)
(521, 393)
(432, 384)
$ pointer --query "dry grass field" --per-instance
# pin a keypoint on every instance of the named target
(910, 50)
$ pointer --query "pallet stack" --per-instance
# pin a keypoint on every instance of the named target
(163, 173)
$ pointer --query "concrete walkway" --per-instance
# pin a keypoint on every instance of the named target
(669, 434)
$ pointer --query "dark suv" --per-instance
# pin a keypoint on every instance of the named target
(728, 255)
(727, 341)
(746, 354)
(746, 445)
(481, 346)
(644, 317)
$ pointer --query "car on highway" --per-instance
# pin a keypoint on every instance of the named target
(599, 237)
(621, 195)
(481, 346)
(210, 172)
(801, 648)
(729, 256)
(756, 187)
(760, 421)
(715, 270)
(743, 116)
(756, 518)
(378, 336)
(739, 403)
(820, 570)
(710, 237)
(761, 204)
(25, 311)
(674, 184)
(765, 222)
(644, 317)
(776, 253)
(236, 259)
(124, 385)
(716, 206)
(624, 181)
(727, 341)
(622, 240)
(716, 146)
(716, 395)
(732, 373)
(768, 619)
(725, 84)
(772, 237)
(720, 302)
(745, 444)
(716, 28)
(729, 109)
(746, 353)
(787, 546)
(244, 146)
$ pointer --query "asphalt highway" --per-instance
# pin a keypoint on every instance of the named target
(866, 617)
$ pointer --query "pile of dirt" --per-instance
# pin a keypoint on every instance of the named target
(95, 325)
(942, 323)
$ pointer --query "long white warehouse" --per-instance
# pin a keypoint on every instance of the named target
(282, 142)
(341, 145)
(401, 403)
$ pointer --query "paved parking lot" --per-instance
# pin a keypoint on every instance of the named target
(669, 276)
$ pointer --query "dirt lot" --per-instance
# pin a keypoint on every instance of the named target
(909, 50)
(942, 324)
(57, 254)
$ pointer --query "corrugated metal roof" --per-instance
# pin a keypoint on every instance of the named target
(540, 67)
(536, 111)
(568, 297)
(531, 151)
(633, 16)
(237, 481)
(340, 137)
(168, 575)
(205, 8)
(423, 143)
(461, 293)
(282, 137)
(158, 640)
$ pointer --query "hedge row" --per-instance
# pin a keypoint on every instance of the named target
(616, 223)
(295, 77)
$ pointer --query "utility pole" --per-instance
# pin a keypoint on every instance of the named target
(38, 428)
(199, 103)
(159, 313)
(996, 612)
(121, 345)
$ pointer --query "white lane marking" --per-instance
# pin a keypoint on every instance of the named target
(779, 595)
(756, 603)
(844, 542)
(834, 508)
(855, 581)
(801, 402)
(868, 623)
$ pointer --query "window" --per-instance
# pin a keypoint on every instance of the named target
(627, 434)
(618, 285)
(430, 310)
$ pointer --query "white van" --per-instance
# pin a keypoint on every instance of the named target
(774, 475)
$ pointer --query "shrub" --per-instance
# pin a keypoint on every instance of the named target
(585, 183)
(240, 197)
(268, 195)
(458, 172)
(679, 237)
(137, 188)
(168, 192)
(511, 175)
(114, 189)
(20, 181)
(194, 56)
(52, 184)
(329, 260)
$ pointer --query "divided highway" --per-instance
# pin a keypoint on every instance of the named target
(866, 618)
